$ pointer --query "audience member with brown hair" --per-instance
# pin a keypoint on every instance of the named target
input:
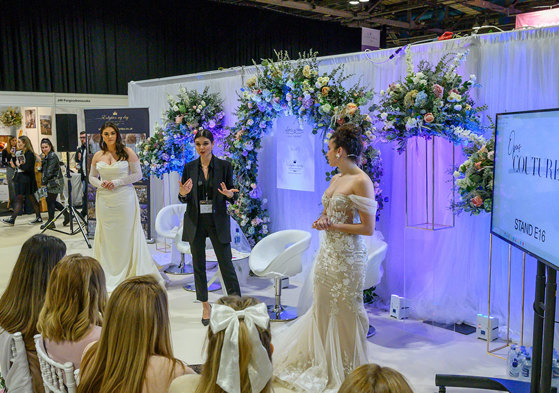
(75, 302)
(134, 353)
(23, 299)
(239, 351)
(372, 378)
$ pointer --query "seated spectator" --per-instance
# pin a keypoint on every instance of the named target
(23, 299)
(372, 378)
(134, 353)
(75, 302)
(239, 351)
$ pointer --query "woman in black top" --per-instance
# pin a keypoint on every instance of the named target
(8, 155)
(206, 185)
(54, 182)
(24, 182)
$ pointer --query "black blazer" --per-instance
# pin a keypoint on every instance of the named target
(223, 173)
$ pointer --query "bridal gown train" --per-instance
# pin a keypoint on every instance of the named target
(119, 244)
(323, 346)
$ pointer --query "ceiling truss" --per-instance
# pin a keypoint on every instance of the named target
(408, 20)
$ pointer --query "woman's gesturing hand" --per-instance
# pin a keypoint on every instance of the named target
(226, 192)
(184, 189)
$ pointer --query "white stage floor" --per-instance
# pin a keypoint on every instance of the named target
(416, 349)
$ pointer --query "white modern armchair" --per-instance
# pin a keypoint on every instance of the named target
(280, 255)
(377, 249)
(168, 224)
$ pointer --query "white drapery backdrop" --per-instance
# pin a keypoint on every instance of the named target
(444, 273)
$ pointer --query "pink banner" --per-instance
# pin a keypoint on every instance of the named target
(538, 18)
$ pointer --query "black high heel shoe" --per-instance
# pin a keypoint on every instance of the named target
(206, 321)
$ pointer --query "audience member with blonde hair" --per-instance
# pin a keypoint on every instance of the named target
(134, 353)
(75, 302)
(239, 351)
(372, 378)
(23, 299)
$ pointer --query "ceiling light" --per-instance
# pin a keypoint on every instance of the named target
(363, 1)
(353, 2)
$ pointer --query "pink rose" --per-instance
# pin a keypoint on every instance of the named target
(477, 165)
(477, 201)
(438, 90)
(428, 117)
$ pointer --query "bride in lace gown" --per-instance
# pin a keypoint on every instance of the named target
(119, 244)
(323, 346)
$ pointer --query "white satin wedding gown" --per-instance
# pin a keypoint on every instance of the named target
(119, 244)
(322, 347)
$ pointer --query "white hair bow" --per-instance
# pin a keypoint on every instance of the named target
(260, 367)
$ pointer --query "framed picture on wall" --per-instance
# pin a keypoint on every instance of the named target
(46, 124)
(30, 118)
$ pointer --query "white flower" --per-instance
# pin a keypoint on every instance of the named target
(456, 174)
(458, 108)
(175, 108)
(197, 110)
(382, 92)
(383, 115)
(411, 123)
(203, 103)
(473, 78)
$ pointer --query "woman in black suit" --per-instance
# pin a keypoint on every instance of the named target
(25, 183)
(206, 184)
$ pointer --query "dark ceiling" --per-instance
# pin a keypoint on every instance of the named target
(408, 20)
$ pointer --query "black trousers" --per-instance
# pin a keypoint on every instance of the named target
(53, 204)
(206, 228)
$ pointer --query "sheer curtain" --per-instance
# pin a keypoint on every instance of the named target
(444, 273)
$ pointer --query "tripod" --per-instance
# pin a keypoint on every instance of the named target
(69, 209)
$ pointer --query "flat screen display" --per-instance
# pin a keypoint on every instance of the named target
(526, 183)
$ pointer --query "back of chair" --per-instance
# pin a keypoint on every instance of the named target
(57, 378)
(14, 366)
(280, 254)
(169, 220)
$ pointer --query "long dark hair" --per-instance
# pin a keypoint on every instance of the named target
(120, 147)
(48, 142)
(23, 299)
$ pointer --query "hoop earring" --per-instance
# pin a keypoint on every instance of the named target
(338, 156)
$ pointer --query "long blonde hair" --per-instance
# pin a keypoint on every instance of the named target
(9, 145)
(372, 378)
(75, 300)
(23, 299)
(27, 146)
(215, 343)
(136, 327)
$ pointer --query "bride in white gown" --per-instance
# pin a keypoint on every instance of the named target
(323, 346)
(119, 244)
